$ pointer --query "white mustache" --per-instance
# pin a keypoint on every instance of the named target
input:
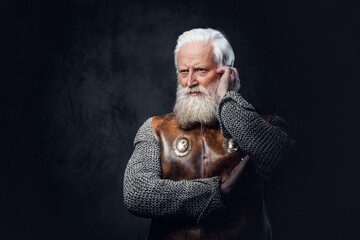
(198, 88)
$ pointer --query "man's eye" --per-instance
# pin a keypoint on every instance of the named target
(183, 71)
(201, 70)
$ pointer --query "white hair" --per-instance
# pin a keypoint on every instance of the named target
(223, 52)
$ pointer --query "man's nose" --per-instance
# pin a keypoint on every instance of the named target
(192, 81)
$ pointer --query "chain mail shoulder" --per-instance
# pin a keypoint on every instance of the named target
(267, 143)
(147, 195)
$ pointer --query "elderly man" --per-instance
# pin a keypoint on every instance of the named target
(199, 172)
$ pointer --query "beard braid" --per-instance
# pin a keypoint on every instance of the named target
(191, 110)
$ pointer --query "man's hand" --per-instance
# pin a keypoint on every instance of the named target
(229, 80)
(227, 186)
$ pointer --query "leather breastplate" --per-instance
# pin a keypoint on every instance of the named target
(202, 152)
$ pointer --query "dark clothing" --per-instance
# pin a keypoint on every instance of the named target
(196, 204)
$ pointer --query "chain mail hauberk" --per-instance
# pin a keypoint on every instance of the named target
(146, 194)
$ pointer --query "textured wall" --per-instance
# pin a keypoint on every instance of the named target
(84, 75)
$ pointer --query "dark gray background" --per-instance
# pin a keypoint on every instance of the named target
(80, 77)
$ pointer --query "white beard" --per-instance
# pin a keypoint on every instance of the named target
(191, 110)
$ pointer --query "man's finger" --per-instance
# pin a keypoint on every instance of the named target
(226, 74)
(222, 69)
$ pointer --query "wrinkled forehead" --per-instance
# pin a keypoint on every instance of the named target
(196, 51)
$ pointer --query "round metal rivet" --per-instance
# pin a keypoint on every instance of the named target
(182, 146)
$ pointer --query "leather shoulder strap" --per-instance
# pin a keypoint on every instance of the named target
(159, 123)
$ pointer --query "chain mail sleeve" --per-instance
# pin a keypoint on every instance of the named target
(147, 195)
(267, 143)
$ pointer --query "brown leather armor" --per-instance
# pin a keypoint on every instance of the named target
(202, 152)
